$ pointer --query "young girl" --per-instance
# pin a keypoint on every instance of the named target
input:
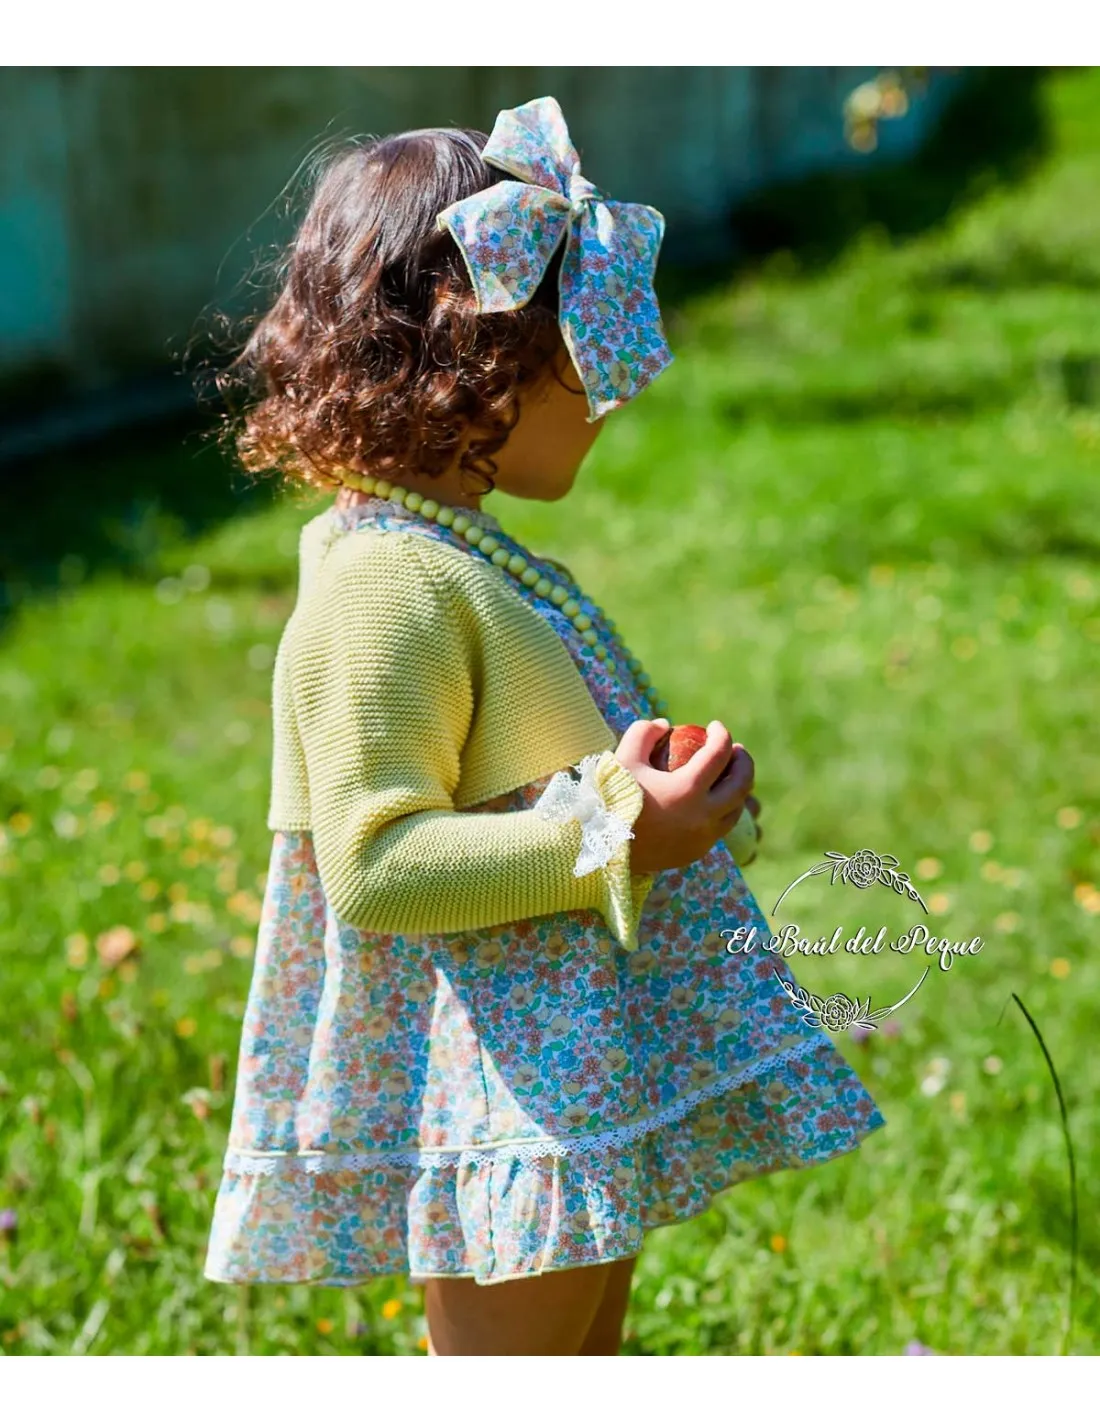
(494, 1034)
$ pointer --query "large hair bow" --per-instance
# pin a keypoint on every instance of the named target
(508, 233)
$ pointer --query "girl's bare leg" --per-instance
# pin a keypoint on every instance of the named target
(605, 1333)
(547, 1315)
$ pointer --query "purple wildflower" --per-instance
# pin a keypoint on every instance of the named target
(9, 1221)
(859, 1033)
(891, 1027)
(916, 1349)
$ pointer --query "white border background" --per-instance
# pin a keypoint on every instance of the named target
(419, 33)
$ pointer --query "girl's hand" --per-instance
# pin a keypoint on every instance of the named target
(685, 812)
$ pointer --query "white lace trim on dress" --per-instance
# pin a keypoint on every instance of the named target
(240, 1162)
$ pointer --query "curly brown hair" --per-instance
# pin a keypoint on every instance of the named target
(372, 356)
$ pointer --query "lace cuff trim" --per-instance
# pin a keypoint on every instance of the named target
(239, 1162)
(567, 799)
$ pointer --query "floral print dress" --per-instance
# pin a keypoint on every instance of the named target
(508, 1101)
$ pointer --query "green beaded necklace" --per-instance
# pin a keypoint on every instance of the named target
(517, 566)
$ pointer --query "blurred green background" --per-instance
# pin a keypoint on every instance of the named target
(858, 519)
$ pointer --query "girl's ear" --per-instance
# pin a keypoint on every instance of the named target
(562, 370)
(570, 379)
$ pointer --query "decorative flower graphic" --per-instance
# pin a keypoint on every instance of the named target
(861, 870)
(838, 1013)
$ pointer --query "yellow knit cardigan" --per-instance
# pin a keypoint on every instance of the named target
(412, 682)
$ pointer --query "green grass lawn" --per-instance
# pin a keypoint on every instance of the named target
(859, 520)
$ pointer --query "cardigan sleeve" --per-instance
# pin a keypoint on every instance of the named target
(384, 687)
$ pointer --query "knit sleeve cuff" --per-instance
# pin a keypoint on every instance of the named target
(626, 891)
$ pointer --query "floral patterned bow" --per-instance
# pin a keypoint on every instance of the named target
(508, 233)
(567, 799)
